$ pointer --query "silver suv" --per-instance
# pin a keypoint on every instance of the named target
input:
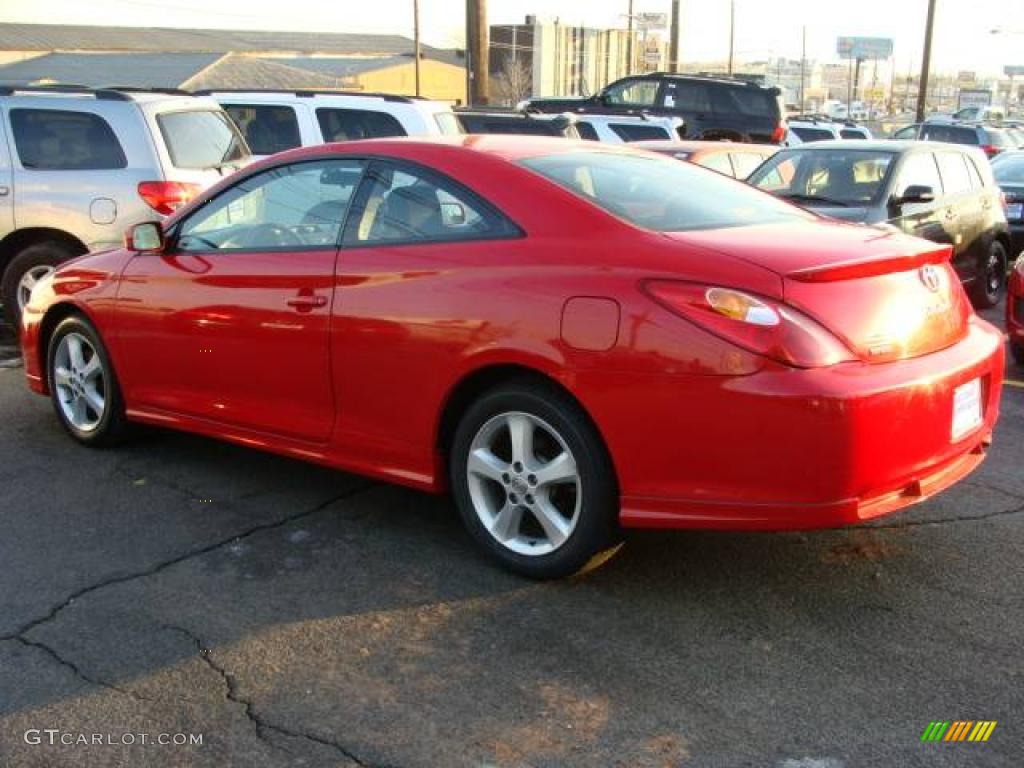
(78, 166)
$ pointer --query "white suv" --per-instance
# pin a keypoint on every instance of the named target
(273, 121)
(79, 166)
(618, 129)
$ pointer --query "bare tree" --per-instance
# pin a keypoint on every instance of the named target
(515, 80)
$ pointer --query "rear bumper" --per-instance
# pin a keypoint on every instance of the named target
(796, 449)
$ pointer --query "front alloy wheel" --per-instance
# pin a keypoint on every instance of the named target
(533, 481)
(988, 287)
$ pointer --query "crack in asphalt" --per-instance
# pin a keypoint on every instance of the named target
(260, 723)
(164, 564)
(74, 668)
(945, 520)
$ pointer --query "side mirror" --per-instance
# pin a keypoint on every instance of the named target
(147, 237)
(916, 193)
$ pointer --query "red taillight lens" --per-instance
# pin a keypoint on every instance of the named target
(779, 134)
(990, 150)
(754, 323)
(165, 197)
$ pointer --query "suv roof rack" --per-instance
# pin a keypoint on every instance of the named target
(103, 94)
(146, 89)
(308, 93)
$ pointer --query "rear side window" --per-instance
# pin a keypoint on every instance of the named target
(752, 102)
(686, 96)
(61, 140)
(587, 131)
(352, 124)
(745, 163)
(267, 128)
(955, 177)
(201, 139)
(629, 132)
(716, 161)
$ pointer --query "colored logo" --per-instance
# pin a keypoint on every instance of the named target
(959, 730)
(930, 277)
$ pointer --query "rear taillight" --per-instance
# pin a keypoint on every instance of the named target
(757, 324)
(779, 134)
(990, 149)
(165, 197)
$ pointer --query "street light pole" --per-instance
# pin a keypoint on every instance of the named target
(416, 39)
(673, 45)
(926, 61)
(732, 31)
(629, 39)
(803, 65)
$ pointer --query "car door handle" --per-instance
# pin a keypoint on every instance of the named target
(306, 302)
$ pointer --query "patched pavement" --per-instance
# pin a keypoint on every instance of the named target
(292, 615)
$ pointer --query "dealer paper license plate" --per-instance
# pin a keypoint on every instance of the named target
(966, 408)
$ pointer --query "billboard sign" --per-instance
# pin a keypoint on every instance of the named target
(1013, 71)
(976, 97)
(864, 47)
(648, 22)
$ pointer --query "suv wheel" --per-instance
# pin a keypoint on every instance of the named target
(533, 482)
(83, 386)
(26, 269)
(987, 289)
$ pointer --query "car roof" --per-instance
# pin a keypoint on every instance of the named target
(873, 145)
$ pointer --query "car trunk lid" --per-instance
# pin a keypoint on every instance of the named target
(887, 296)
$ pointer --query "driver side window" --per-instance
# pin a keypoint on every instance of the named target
(297, 206)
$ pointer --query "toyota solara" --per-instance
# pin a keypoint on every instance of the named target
(570, 339)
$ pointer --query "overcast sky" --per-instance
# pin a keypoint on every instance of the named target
(963, 38)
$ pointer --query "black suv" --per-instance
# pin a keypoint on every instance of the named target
(941, 192)
(713, 108)
(991, 139)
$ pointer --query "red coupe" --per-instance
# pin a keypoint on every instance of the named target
(570, 338)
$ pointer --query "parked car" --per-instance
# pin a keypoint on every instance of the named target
(942, 192)
(1008, 170)
(970, 114)
(712, 108)
(273, 121)
(79, 166)
(991, 139)
(1015, 312)
(702, 356)
(622, 129)
(809, 131)
(476, 121)
(728, 157)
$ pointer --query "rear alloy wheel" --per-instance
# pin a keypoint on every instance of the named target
(83, 388)
(25, 270)
(988, 288)
(533, 482)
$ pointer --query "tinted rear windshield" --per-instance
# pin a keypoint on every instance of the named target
(661, 194)
(754, 102)
(812, 134)
(201, 139)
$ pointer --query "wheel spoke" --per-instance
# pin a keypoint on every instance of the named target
(560, 469)
(93, 368)
(28, 282)
(78, 413)
(75, 352)
(61, 376)
(506, 522)
(485, 464)
(555, 526)
(520, 431)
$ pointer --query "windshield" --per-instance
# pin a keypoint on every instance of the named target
(201, 139)
(660, 193)
(1009, 170)
(840, 177)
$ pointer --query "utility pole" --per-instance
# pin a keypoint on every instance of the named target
(416, 40)
(629, 39)
(673, 44)
(926, 61)
(477, 50)
(732, 31)
(803, 65)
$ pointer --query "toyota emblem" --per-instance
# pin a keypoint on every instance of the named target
(930, 277)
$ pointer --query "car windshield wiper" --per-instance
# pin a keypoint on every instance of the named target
(815, 199)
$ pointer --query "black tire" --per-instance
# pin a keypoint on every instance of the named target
(595, 527)
(990, 284)
(1017, 350)
(45, 254)
(111, 425)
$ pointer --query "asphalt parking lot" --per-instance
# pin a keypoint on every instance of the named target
(292, 615)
